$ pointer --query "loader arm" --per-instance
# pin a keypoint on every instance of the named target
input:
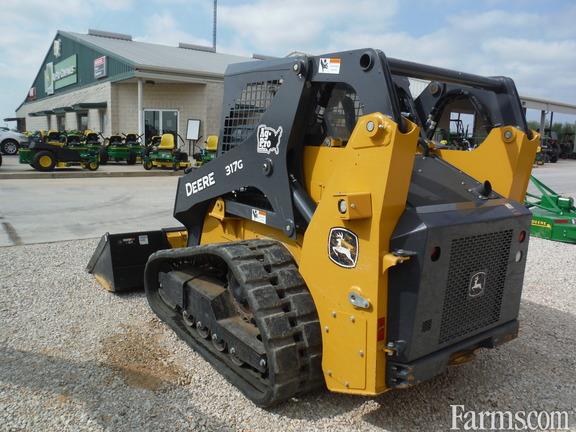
(506, 155)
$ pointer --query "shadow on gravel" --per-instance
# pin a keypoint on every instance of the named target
(534, 372)
(91, 384)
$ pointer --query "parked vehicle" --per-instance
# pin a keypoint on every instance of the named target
(59, 150)
(121, 148)
(207, 153)
(370, 264)
(567, 149)
(162, 152)
(550, 146)
(11, 141)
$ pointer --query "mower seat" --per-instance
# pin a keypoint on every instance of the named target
(115, 140)
(212, 143)
(167, 142)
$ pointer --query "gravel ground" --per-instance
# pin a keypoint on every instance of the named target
(74, 357)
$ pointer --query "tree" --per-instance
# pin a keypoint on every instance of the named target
(559, 128)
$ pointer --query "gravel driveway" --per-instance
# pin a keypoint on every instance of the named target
(74, 357)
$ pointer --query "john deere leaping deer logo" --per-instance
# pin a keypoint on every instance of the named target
(343, 247)
(269, 139)
(477, 284)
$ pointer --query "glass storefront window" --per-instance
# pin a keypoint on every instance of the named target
(157, 122)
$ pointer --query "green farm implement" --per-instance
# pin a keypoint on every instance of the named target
(553, 215)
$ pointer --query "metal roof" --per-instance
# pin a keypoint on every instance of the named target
(149, 56)
(547, 105)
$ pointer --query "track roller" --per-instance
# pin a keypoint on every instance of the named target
(245, 308)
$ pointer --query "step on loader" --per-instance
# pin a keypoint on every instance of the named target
(330, 242)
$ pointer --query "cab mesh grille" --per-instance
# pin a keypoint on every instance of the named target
(463, 314)
(246, 112)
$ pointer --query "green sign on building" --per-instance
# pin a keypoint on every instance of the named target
(65, 72)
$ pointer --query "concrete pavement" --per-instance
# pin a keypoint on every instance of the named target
(561, 176)
(33, 211)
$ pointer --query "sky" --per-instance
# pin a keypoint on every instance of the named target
(533, 42)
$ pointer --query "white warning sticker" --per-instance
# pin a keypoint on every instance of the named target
(259, 216)
(143, 239)
(329, 65)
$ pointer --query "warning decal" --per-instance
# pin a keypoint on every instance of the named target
(259, 216)
(329, 65)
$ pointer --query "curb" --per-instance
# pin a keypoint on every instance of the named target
(88, 174)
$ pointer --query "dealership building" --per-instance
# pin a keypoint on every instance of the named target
(109, 83)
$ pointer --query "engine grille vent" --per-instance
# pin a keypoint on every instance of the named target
(465, 311)
(248, 108)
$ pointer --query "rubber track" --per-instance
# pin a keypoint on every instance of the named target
(283, 310)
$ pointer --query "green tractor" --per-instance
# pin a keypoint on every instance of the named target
(567, 148)
(162, 152)
(553, 215)
(58, 150)
(119, 148)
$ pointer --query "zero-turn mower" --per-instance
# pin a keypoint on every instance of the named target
(164, 153)
(208, 152)
(553, 215)
(118, 148)
(333, 244)
(91, 141)
(53, 151)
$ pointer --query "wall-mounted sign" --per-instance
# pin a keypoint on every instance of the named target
(100, 67)
(65, 72)
(49, 78)
(57, 48)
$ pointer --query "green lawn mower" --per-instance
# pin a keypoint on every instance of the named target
(162, 152)
(58, 150)
(553, 215)
(206, 154)
(118, 148)
(92, 141)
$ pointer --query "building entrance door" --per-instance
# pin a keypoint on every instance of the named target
(158, 121)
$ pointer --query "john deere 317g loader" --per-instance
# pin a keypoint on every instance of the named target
(330, 241)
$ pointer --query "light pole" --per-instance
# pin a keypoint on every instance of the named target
(214, 25)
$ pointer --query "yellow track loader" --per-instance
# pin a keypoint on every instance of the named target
(331, 241)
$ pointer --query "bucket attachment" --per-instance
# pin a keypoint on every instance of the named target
(119, 259)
